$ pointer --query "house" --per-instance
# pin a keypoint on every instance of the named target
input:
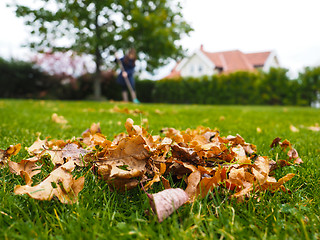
(202, 63)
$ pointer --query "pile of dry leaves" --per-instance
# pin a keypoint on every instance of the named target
(200, 157)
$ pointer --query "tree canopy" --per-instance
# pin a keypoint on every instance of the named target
(101, 27)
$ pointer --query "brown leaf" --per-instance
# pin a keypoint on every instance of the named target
(132, 130)
(293, 128)
(274, 185)
(193, 184)
(285, 144)
(241, 156)
(38, 146)
(71, 152)
(275, 142)
(13, 149)
(298, 161)
(243, 193)
(26, 169)
(127, 160)
(240, 178)
(262, 164)
(315, 128)
(59, 119)
(174, 134)
(156, 178)
(293, 154)
(187, 154)
(6, 154)
(134, 112)
(164, 203)
(165, 182)
(59, 183)
(208, 183)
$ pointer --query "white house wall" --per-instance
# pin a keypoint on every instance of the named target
(272, 61)
(196, 67)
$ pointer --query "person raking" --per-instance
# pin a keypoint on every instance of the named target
(126, 79)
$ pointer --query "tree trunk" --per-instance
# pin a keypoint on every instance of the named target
(97, 78)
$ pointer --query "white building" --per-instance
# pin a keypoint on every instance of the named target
(202, 63)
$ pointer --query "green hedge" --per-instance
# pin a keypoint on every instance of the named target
(20, 79)
(254, 88)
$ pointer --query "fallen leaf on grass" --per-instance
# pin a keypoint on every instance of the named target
(159, 112)
(127, 160)
(164, 203)
(192, 185)
(6, 154)
(26, 169)
(222, 118)
(293, 128)
(71, 152)
(59, 119)
(315, 128)
(38, 146)
(133, 112)
(201, 157)
(60, 183)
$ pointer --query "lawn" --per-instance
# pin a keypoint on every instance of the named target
(103, 214)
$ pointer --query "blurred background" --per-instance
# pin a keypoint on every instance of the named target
(288, 29)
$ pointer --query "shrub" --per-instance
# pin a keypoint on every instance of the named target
(309, 80)
(20, 79)
(242, 87)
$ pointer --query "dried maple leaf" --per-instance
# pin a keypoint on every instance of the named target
(174, 134)
(275, 142)
(294, 129)
(200, 156)
(59, 119)
(127, 160)
(26, 168)
(95, 128)
(157, 175)
(274, 185)
(187, 154)
(241, 156)
(71, 152)
(207, 184)
(133, 130)
(261, 169)
(59, 183)
(134, 112)
(192, 185)
(6, 154)
(38, 146)
(315, 128)
(293, 154)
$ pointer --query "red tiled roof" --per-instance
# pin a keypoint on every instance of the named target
(230, 61)
(258, 59)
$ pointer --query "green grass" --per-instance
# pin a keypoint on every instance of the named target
(102, 214)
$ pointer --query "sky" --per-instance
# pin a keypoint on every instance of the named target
(288, 27)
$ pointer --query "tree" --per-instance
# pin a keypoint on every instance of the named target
(101, 27)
